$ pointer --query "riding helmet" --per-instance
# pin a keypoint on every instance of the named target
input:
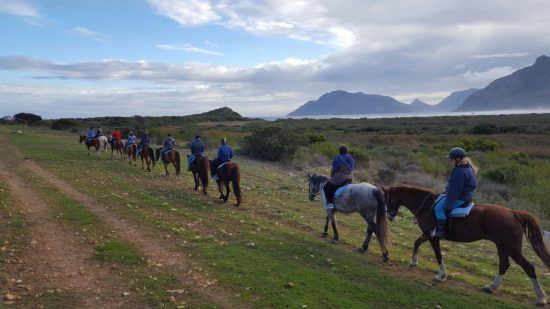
(343, 149)
(457, 153)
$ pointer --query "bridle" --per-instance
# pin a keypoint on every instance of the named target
(428, 195)
(396, 212)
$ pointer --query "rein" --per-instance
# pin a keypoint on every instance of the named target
(423, 203)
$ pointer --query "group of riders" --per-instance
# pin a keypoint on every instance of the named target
(459, 191)
(224, 154)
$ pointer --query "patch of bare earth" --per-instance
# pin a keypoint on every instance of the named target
(151, 245)
(55, 259)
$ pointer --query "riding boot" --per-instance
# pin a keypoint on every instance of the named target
(441, 230)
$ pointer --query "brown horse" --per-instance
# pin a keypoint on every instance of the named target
(503, 226)
(118, 147)
(171, 156)
(200, 168)
(147, 154)
(91, 142)
(229, 173)
(131, 152)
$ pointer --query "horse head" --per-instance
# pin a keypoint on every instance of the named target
(316, 183)
(81, 138)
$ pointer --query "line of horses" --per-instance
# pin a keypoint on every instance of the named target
(503, 226)
(229, 176)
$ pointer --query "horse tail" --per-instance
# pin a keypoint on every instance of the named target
(157, 154)
(533, 232)
(236, 179)
(151, 154)
(204, 171)
(381, 222)
(177, 155)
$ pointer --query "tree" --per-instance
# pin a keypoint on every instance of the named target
(273, 143)
(27, 118)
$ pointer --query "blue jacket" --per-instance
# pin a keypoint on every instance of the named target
(91, 133)
(461, 185)
(131, 140)
(145, 141)
(169, 143)
(225, 153)
(345, 160)
(197, 147)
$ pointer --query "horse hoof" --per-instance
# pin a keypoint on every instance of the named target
(488, 289)
(334, 241)
(541, 303)
(413, 264)
(440, 279)
(385, 257)
(324, 235)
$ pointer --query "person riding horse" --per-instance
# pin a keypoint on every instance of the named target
(225, 154)
(197, 149)
(99, 132)
(460, 189)
(91, 134)
(116, 136)
(131, 140)
(168, 145)
(145, 141)
(341, 174)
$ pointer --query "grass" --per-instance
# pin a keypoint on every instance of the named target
(118, 252)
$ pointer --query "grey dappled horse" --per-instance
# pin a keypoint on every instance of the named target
(364, 198)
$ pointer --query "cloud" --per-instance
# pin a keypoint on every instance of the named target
(186, 12)
(85, 32)
(189, 48)
(501, 55)
(488, 75)
(19, 8)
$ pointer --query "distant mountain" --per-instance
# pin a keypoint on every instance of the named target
(418, 106)
(528, 88)
(345, 103)
(454, 100)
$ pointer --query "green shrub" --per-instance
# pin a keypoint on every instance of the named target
(313, 137)
(509, 174)
(477, 144)
(326, 149)
(64, 124)
(359, 155)
(484, 128)
(272, 143)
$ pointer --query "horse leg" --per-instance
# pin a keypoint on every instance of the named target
(220, 189)
(503, 264)
(226, 197)
(166, 168)
(442, 275)
(529, 269)
(336, 237)
(371, 226)
(325, 229)
(196, 179)
(414, 259)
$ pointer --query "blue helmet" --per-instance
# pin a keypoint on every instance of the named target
(457, 153)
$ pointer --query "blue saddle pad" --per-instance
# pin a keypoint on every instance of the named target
(222, 165)
(462, 212)
(341, 190)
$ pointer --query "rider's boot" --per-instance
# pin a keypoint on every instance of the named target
(441, 230)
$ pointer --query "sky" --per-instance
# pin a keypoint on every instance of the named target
(76, 58)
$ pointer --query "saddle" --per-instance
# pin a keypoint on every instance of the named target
(222, 165)
(454, 216)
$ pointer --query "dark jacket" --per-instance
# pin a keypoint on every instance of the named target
(145, 140)
(342, 169)
(225, 153)
(461, 185)
(197, 147)
(169, 143)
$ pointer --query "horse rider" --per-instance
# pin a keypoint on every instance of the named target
(131, 140)
(341, 174)
(99, 132)
(145, 140)
(168, 145)
(225, 154)
(461, 185)
(91, 134)
(116, 136)
(197, 149)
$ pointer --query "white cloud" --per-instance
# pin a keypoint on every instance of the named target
(488, 75)
(186, 12)
(19, 8)
(85, 32)
(501, 55)
(189, 48)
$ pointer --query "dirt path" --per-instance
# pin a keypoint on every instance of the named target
(55, 258)
(157, 253)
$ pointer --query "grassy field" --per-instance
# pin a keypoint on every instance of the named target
(267, 253)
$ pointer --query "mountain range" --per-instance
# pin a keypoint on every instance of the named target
(527, 88)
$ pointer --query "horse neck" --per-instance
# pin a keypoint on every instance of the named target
(415, 199)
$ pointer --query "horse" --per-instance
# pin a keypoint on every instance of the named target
(503, 226)
(171, 156)
(147, 154)
(131, 151)
(103, 141)
(117, 146)
(89, 143)
(200, 168)
(364, 198)
(229, 173)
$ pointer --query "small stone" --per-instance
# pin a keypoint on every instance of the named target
(289, 285)
(125, 294)
(9, 297)
(251, 245)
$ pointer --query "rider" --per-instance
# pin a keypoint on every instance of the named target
(99, 132)
(116, 136)
(169, 144)
(197, 149)
(341, 174)
(225, 154)
(145, 140)
(460, 189)
(91, 134)
(131, 140)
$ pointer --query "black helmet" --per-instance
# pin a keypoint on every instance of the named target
(197, 136)
(224, 141)
(343, 149)
(457, 153)
(91, 128)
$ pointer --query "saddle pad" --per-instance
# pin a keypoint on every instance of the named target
(341, 190)
(462, 212)
(222, 165)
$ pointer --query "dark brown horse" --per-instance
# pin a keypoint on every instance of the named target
(131, 152)
(503, 226)
(147, 154)
(229, 173)
(118, 147)
(92, 142)
(171, 156)
(200, 168)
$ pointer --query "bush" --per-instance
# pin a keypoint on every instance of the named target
(27, 118)
(313, 137)
(484, 128)
(477, 144)
(272, 143)
(63, 124)
(508, 174)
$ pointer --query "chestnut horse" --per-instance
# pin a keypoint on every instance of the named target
(91, 142)
(117, 146)
(200, 168)
(503, 226)
(229, 173)
(171, 156)
(131, 152)
(147, 154)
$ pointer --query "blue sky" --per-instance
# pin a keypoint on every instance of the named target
(64, 58)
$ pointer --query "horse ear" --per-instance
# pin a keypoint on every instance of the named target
(308, 175)
(384, 188)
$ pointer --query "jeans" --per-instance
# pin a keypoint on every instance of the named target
(441, 210)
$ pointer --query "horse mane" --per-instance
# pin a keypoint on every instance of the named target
(412, 188)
